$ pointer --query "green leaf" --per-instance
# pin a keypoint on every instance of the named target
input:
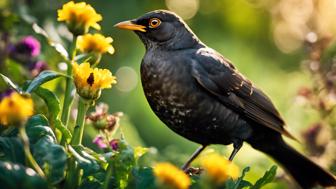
(142, 178)
(35, 120)
(267, 178)
(241, 183)
(57, 46)
(51, 100)
(83, 57)
(50, 156)
(43, 77)
(54, 109)
(139, 152)
(10, 83)
(11, 150)
(85, 161)
(95, 181)
(37, 128)
(13, 176)
(123, 162)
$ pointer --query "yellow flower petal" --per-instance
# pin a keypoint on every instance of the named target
(79, 15)
(219, 168)
(89, 81)
(15, 108)
(170, 175)
(96, 26)
(95, 43)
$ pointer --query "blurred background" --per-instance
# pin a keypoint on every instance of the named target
(284, 46)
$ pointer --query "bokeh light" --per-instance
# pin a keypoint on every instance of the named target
(293, 20)
(186, 8)
(127, 79)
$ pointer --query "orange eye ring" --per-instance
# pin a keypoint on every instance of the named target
(154, 22)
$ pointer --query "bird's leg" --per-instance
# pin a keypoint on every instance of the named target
(236, 148)
(193, 156)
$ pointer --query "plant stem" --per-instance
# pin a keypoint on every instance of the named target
(73, 175)
(69, 86)
(108, 176)
(29, 156)
(79, 128)
(67, 97)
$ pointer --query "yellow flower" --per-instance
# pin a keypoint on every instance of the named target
(96, 43)
(89, 81)
(172, 176)
(79, 17)
(219, 168)
(15, 108)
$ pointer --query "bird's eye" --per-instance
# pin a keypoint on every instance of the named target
(154, 22)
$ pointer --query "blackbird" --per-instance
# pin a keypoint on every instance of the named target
(200, 95)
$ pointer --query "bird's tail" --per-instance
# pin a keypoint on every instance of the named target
(306, 173)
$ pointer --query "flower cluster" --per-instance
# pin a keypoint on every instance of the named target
(15, 108)
(103, 143)
(102, 120)
(89, 81)
(106, 124)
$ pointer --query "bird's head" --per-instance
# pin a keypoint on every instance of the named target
(161, 28)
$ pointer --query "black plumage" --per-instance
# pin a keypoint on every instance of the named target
(200, 95)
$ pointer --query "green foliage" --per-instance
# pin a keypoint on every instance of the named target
(88, 163)
(200, 182)
(142, 178)
(122, 164)
(42, 78)
(267, 178)
(240, 183)
(48, 154)
(11, 150)
(9, 83)
(95, 181)
(57, 46)
(14, 176)
(54, 109)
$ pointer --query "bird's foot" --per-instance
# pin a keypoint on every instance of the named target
(236, 148)
(193, 171)
(193, 156)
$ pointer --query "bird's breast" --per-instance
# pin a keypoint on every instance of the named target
(182, 105)
(167, 91)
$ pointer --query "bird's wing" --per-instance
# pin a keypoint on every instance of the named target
(218, 76)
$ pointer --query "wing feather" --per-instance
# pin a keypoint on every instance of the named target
(219, 77)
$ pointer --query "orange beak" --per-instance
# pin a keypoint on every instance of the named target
(128, 25)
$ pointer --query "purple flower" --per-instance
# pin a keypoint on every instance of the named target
(6, 93)
(37, 67)
(27, 46)
(114, 144)
(99, 141)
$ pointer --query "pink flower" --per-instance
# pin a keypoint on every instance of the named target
(114, 144)
(28, 46)
(32, 44)
(37, 67)
(99, 141)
